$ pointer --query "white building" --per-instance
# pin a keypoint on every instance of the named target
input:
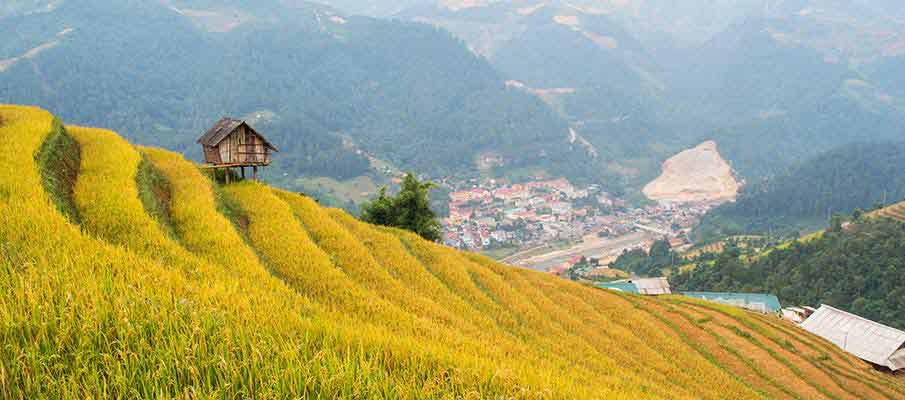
(866, 339)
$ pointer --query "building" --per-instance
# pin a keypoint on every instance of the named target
(797, 314)
(868, 340)
(760, 302)
(234, 143)
(644, 286)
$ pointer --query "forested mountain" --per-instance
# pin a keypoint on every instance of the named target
(769, 81)
(858, 268)
(320, 84)
(582, 89)
(837, 181)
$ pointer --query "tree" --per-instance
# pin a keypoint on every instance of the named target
(409, 210)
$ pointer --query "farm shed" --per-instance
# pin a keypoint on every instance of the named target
(760, 302)
(234, 142)
(871, 341)
(645, 286)
(796, 314)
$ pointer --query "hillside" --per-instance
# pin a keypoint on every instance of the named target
(333, 87)
(695, 175)
(127, 273)
(800, 198)
(639, 81)
(895, 211)
(856, 268)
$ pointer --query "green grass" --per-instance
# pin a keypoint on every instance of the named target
(154, 193)
(58, 161)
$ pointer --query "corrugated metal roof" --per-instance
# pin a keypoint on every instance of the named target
(646, 286)
(652, 286)
(619, 286)
(762, 302)
(862, 337)
(897, 361)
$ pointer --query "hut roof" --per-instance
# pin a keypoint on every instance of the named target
(864, 338)
(224, 128)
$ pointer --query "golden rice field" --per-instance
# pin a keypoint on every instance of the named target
(895, 211)
(126, 273)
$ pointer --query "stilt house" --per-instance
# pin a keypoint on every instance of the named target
(234, 143)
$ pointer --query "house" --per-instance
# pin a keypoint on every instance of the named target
(234, 143)
(868, 340)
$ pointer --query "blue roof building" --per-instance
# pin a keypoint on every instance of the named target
(761, 302)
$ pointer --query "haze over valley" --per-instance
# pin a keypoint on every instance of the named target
(452, 199)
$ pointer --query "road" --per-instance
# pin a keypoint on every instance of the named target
(592, 246)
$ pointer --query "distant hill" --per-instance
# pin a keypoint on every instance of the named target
(768, 81)
(599, 92)
(837, 181)
(858, 268)
(895, 211)
(320, 83)
(130, 261)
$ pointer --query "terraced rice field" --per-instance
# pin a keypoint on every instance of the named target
(126, 273)
(896, 212)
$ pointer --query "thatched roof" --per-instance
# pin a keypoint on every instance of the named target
(224, 128)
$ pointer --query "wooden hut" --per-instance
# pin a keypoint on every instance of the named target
(233, 143)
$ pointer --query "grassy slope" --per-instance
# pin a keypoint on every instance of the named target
(895, 211)
(282, 298)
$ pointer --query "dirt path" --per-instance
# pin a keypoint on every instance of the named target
(591, 246)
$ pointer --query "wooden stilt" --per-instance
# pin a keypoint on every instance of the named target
(227, 175)
(243, 173)
(254, 172)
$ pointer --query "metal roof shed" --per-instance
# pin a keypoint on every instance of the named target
(652, 286)
(761, 302)
(644, 286)
(866, 339)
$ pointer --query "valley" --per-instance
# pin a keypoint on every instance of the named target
(521, 221)
(452, 199)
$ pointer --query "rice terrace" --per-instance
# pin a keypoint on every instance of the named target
(127, 273)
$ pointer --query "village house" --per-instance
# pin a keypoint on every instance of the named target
(233, 143)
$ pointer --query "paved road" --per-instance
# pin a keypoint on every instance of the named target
(591, 247)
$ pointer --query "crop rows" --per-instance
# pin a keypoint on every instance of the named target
(147, 279)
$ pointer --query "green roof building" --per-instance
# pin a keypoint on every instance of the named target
(761, 302)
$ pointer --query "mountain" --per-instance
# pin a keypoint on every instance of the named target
(128, 260)
(771, 82)
(747, 72)
(837, 181)
(339, 90)
(584, 65)
(895, 211)
(585, 89)
(374, 8)
(857, 268)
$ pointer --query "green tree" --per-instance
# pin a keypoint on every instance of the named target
(410, 209)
